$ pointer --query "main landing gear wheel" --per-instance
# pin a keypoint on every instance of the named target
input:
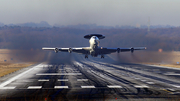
(102, 56)
(86, 56)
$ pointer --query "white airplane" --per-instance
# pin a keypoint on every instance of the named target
(94, 50)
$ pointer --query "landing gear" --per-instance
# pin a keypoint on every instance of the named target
(102, 56)
(86, 56)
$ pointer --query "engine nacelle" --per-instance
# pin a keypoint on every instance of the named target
(70, 50)
(132, 50)
(56, 50)
(118, 50)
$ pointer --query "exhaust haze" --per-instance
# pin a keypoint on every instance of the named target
(151, 57)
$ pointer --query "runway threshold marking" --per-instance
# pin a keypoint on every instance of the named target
(60, 86)
(82, 79)
(114, 86)
(25, 80)
(150, 82)
(141, 86)
(62, 80)
(34, 87)
(143, 80)
(43, 80)
(88, 87)
(7, 87)
(59, 74)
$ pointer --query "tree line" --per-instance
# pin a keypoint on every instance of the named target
(16, 37)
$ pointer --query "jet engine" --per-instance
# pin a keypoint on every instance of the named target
(56, 50)
(118, 50)
(132, 50)
(70, 50)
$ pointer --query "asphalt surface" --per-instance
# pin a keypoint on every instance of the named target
(91, 79)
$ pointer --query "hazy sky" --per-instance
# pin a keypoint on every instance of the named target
(101, 12)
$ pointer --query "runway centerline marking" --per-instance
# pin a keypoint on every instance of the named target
(114, 86)
(59, 74)
(34, 87)
(62, 80)
(88, 87)
(82, 79)
(43, 80)
(60, 86)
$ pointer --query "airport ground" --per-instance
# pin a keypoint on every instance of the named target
(76, 78)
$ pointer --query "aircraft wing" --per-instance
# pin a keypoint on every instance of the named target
(82, 50)
(112, 50)
(85, 50)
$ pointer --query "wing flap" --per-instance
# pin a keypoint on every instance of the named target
(132, 49)
(46, 48)
(107, 50)
(81, 50)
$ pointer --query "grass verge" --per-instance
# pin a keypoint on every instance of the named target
(7, 68)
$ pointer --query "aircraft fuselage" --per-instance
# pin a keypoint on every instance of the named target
(94, 45)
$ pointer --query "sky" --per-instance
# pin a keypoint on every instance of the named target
(100, 12)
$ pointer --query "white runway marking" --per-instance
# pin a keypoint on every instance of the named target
(171, 74)
(60, 86)
(24, 80)
(141, 86)
(59, 74)
(34, 87)
(43, 80)
(7, 87)
(171, 89)
(14, 78)
(114, 86)
(82, 79)
(177, 86)
(87, 86)
(62, 79)
(150, 82)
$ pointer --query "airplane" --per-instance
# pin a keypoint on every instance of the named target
(94, 50)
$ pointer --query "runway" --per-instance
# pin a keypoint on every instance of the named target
(91, 79)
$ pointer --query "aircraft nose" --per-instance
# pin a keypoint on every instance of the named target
(95, 41)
